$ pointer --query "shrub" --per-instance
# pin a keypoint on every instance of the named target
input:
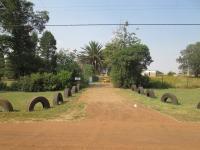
(51, 82)
(15, 86)
(128, 64)
(42, 82)
(65, 78)
(143, 81)
(32, 83)
(88, 71)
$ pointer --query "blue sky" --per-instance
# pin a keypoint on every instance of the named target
(164, 42)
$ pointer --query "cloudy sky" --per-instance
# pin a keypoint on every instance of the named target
(165, 42)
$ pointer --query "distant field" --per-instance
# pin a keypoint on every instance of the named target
(179, 81)
(19, 101)
(186, 111)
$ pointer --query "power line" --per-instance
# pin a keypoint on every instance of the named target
(115, 24)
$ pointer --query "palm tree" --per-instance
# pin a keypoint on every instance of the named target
(92, 54)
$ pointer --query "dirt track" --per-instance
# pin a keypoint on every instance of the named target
(111, 123)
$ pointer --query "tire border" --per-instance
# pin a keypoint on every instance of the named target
(170, 96)
(40, 99)
(6, 105)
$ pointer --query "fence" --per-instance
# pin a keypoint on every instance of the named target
(179, 81)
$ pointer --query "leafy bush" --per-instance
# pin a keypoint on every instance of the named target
(32, 83)
(15, 86)
(143, 81)
(42, 82)
(127, 65)
(88, 72)
(51, 82)
(65, 78)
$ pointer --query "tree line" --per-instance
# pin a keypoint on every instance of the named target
(21, 51)
(26, 48)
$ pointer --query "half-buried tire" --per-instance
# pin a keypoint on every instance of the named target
(134, 87)
(140, 90)
(6, 105)
(150, 93)
(168, 96)
(58, 99)
(78, 87)
(33, 102)
(67, 93)
(198, 106)
(74, 90)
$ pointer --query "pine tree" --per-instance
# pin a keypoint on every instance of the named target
(19, 21)
(48, 51)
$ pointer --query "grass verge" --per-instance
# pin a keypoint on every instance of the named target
(186, 111)
(71, 109)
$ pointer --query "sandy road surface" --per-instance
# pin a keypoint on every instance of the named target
(111, 123)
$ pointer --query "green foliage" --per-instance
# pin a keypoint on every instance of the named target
(33, 83)
(92, 54)
(122, 39)
(48, 51)
(68, 61)
(65, 78)
(128, 63)
(42, 82)
(189, 59)
(88, 71)
(15, 86)
(19, 41)
(65, 60)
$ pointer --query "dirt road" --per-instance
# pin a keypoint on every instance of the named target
(112, 122)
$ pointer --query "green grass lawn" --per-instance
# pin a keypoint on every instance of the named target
(19, 101)
(186, 111)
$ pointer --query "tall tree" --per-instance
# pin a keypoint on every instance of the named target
(19, 21)
(66, 60)
(189, 59)
(122, 38)
(2, 64)
(48, 51)
(92, 54)
(128, 64)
